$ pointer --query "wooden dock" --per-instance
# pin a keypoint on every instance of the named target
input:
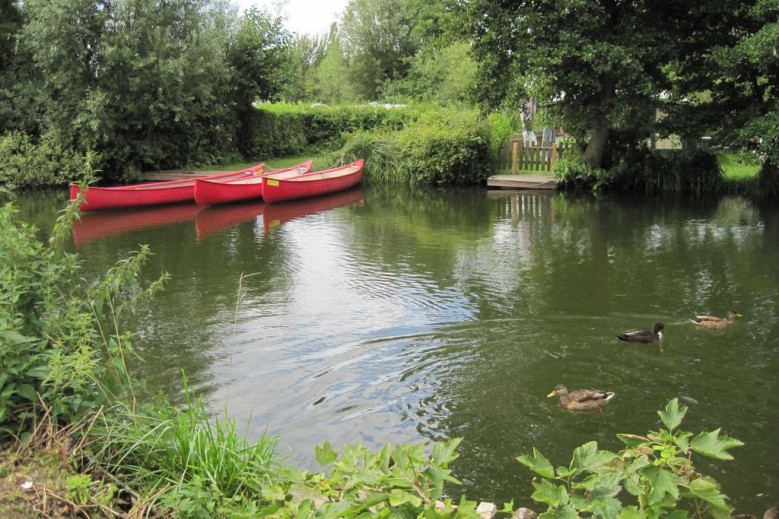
(545, 182)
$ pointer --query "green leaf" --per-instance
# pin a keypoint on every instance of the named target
(26, 391)
(632, 440)
(673, 414)
(566, 512)
(663, 483)
(436, 475)
(399, 497)
(445, 452)
(538, 464)
(712, 445)
(707, 490)
(629, 512)
(38, 371)
(587, 457)
(547, 492)
(325, 455)
(16, 339)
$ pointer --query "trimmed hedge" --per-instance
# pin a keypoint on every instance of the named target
(282, 129)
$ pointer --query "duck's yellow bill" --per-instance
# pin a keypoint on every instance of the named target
(551, 394)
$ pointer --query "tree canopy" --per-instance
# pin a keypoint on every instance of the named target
(154, 84)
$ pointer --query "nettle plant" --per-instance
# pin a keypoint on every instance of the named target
(652, 477)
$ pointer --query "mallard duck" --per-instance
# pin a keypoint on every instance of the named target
(716, 323)
(641, 335)
(581, 398)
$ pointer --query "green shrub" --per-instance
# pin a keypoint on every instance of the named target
(443, 147)
(60, 348)
(653, 476)
(26, 164)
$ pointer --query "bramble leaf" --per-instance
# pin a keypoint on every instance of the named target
(324, 454)
(587, 457)
(673, 414)
(538, 464)
(712, 445)
(549, 493)
(663, 483)
(707, 490)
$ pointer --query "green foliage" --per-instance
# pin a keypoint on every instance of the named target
(652, 477)
(25, 164)
(296, 128)
(195, 465)
(60, 343)
(590, 68)
(377, 39)
(443, 147)
(78, 488)
(400, 481)
(438, 75)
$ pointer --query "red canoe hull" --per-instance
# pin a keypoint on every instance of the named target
(152, 193)
(277, 189)
(213, 192)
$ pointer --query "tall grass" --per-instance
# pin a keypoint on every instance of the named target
(185, 458)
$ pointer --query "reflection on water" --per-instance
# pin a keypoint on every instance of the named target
(393, 316)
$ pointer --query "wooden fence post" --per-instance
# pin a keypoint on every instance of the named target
(514, 157)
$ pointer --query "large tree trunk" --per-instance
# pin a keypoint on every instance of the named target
(596, 146)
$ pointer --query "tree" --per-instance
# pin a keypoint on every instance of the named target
(601, 67)
(331, 81)
(257, 56)
(745, 92)
(142, 82)
(376, 38)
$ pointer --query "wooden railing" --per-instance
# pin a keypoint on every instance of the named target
(535, 158)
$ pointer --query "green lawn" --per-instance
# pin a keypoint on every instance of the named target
(733, 168)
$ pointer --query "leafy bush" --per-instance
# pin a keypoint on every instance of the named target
(26, 164)
(443, 147)
(59, 344)
(654, 475)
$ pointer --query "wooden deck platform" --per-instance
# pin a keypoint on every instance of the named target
(522, 181)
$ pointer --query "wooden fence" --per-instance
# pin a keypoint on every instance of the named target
(518, 156)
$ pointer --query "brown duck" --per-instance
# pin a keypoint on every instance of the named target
(715, 323)
(581, 398)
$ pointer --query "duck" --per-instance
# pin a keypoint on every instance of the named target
(641, 335)
(581, 398)
(715, 323)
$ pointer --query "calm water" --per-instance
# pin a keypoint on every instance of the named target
(378, 317)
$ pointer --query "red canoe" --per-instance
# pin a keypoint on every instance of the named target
(311, 184)
(152, 193)
(216, 191)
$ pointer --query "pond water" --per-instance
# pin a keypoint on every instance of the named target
(381, 316)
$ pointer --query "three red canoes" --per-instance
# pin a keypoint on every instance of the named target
(153, 193)
(217, 191)
(278, 188)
